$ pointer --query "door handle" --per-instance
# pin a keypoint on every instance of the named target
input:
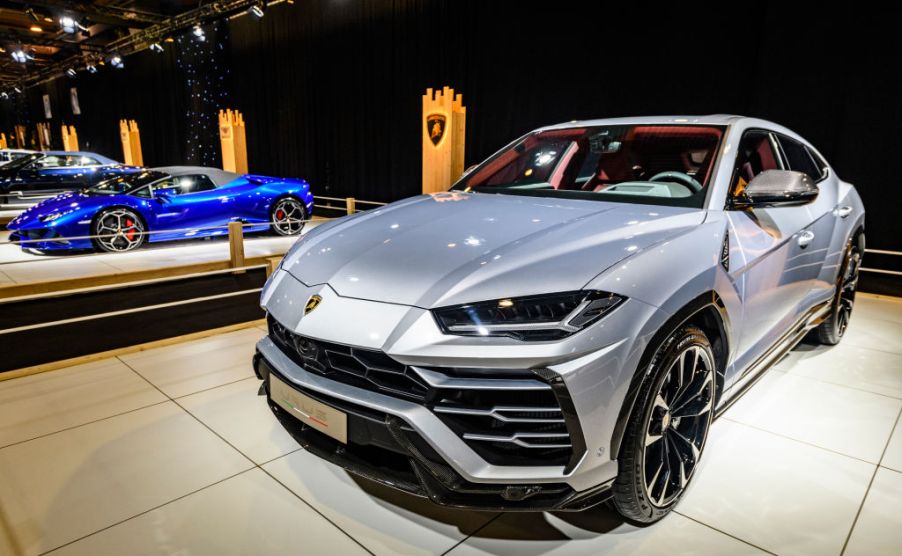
(805, 238)
(843, 211)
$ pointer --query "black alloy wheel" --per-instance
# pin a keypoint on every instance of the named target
(831, 331)
(667, 432)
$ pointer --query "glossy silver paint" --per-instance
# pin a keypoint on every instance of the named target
(380, 272)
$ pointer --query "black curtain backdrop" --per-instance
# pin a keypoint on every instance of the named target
(331, 89)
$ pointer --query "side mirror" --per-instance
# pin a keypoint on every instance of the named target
(777, 188)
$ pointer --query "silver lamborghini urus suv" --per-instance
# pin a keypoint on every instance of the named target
(561, 327)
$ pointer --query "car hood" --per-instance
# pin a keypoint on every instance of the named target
(69, 202)
(448, 248)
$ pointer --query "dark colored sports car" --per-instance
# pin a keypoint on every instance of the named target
(36, 175)
(163, 204)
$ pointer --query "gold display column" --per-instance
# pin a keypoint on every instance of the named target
(444, 131)
(234, 141)
(131, 142)
(20, 137)
(3, 144)
(43, 136)
(70, 138)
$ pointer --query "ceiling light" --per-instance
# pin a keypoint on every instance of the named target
(70, 72)
(156, 47)
(199, 33)
(169, 39)
(18, 90)
(35, 29)
(117, 62)
(21, 56)
(91, 68)
(67, 24)
(4, 95)
(256, 10)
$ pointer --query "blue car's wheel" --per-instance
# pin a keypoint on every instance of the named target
(288, 216)
(118, 230)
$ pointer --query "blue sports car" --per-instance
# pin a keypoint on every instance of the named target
(163, 204)
(37, 175)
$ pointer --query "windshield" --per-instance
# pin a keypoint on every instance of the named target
(656, 164)
(22, 161)
(126, 184)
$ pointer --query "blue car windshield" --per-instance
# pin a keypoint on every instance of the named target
(22, 161)
(660, 164)
(123, 185)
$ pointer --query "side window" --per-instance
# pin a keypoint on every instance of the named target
(87, 161)
(184, 185)
(798, 158)
(756, 153)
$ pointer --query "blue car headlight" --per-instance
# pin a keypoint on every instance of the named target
(533, 318)
(53, 216)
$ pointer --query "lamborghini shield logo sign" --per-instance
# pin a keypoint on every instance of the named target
(312, 304)
(435, 127)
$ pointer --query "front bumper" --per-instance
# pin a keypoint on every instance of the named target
(48, 239)
(386, 449)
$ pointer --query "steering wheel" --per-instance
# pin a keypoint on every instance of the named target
(679, 178)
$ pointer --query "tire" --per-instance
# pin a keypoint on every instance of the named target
(121, 228)
(287, 216)
(668, 428)
(831, 331)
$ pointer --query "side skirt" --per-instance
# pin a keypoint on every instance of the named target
(753, 373)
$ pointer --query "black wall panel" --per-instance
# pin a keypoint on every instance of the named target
(331, 89)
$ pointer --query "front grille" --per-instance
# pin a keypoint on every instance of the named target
(364, 368)
(511, 417)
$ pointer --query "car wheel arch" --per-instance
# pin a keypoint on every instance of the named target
(708, 312)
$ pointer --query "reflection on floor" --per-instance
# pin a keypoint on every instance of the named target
(20, 267)
(171, 451)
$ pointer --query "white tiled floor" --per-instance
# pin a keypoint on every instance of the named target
(170, 451)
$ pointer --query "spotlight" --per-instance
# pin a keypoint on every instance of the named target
(4, 95)
(117, 62)
(35, 29)
(91, 68)
(21, 56)
(156, 47)
(18, 90)
(199, 33)
(257, 9)
(70, 72)
(67, 24)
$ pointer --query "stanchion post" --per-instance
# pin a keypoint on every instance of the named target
(351, 205)
(236, 244)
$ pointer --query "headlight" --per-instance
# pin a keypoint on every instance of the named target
(534, 318)
(53, 216)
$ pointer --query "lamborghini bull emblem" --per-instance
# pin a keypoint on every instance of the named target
(435, 127)
(312, 304)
